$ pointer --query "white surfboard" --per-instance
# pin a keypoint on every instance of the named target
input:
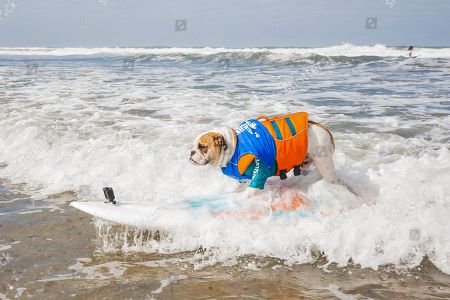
(135, 214)
(145, 215)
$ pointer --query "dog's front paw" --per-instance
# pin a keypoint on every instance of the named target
(239, 186)
(251, 192)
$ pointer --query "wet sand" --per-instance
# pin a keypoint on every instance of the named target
(50, 250)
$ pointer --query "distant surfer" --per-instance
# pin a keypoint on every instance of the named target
(410, 49)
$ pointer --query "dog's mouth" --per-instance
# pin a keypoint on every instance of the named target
(193, 161)
(196, 163)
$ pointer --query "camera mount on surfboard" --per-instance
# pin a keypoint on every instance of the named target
(109, 195)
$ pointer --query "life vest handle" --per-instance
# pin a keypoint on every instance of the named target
(262, 118)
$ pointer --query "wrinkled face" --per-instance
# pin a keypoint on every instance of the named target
(208, 149)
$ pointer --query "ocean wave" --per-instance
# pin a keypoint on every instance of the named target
(69, 128)
(344, 50)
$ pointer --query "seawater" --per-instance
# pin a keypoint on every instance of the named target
(75, 120)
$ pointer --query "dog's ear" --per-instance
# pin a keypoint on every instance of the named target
(219, 140)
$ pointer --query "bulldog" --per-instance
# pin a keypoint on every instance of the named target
(225, 148)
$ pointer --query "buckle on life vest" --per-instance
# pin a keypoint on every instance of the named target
(283, 175)
(297, 171)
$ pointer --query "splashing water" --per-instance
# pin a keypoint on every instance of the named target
(80, 119)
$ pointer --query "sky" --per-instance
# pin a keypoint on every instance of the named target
(226, 23)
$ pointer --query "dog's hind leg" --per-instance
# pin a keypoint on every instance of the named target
(325, 166)
(321, 150)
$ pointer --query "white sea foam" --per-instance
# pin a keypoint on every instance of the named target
(166, 282)
(82, 125)
(340, 50)
(83, 269)
(338, 294)
(5, 247)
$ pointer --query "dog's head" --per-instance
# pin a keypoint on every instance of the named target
(209, 148)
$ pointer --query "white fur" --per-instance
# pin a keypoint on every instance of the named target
(229, 136)
(321, 150)
(230, 139)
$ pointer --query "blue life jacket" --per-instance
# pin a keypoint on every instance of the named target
(252, 138)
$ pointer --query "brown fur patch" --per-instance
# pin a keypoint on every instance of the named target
(213, 142)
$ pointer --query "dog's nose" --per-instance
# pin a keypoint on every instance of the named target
(192, 152)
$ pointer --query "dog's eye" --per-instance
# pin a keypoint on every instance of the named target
(202, 148)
